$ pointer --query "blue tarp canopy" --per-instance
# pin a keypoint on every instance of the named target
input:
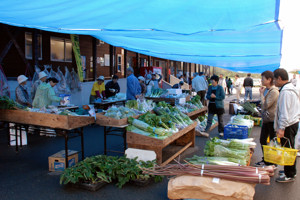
(231, 34)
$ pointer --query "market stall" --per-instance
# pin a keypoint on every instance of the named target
(64, 125)
(185, 138)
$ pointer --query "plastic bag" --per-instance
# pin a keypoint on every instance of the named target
(4, 88)
(36, 74)
(68, 78)
(63, 87)
(75, 81)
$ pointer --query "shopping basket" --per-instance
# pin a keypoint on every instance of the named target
(280, 155)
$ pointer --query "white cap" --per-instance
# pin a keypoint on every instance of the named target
(141, 78)
(100, 78)
(42, 75)
(22, 79)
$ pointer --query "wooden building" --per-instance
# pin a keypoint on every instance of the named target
(23, 48)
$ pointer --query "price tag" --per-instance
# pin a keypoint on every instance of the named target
(216, 180)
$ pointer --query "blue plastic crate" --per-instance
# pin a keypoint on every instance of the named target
(235, 132)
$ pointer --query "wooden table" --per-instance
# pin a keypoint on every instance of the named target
(63, 124)
(185, 138)
(105, 104)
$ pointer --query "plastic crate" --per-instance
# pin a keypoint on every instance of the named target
(235, 132)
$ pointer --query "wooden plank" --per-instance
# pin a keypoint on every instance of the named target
(213, 126)
(195, 114)
(103, 120)
(176, 154)
(135, 138)
(46, 120)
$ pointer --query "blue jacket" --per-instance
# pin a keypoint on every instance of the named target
(133, 87)
(220, 96)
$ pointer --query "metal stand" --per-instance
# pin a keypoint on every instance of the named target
(114, 130)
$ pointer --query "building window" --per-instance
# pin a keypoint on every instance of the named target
(119, 62)
(61, 49)
(29, 48)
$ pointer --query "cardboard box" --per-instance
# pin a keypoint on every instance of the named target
(57, 161)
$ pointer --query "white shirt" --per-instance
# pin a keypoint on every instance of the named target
(222, 82)
(238, 83)
(199, 83)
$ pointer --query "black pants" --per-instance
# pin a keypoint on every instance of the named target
(228, 89)
(201, 93)
(290, 133)
(267, 130)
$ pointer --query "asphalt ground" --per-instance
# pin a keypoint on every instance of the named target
(24, 175)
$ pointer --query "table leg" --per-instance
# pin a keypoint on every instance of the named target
(21, 142)
(8, 134)
(105, 132)
(124, 137)
(16, 137)
(66, 148)
(82, 143)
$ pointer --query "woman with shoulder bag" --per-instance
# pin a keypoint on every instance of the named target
(269, 96)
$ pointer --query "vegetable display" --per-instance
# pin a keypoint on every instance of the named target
(107, 168)
(202, 122)
(240, 120)
(196, 100)
(157, 92)
(140, 105)
(235, 150)
(250, 107)
(181, 120)
(7, 103)
(120, 112)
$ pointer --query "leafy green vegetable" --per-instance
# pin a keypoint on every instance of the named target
(7, 103)
(107, 168)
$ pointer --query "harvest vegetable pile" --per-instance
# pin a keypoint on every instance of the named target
(142, 106)
(120, 112)
(202, 122)
(225, 152)
(190, 106)
(161, 124)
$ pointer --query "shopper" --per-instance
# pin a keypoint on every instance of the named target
(229, 86)
(238, 86)
(222, 82)
(22, 96)
(269, 95)
(133, 85)
(248, 85)
(286, 118)
(200, 86)
(112, 87)
(98, 90)
(178, 85)
(294, 80)
(45, 94)
(143, 85)
(149, 84)
(42, 78)
(216, 96)
(155, 80)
